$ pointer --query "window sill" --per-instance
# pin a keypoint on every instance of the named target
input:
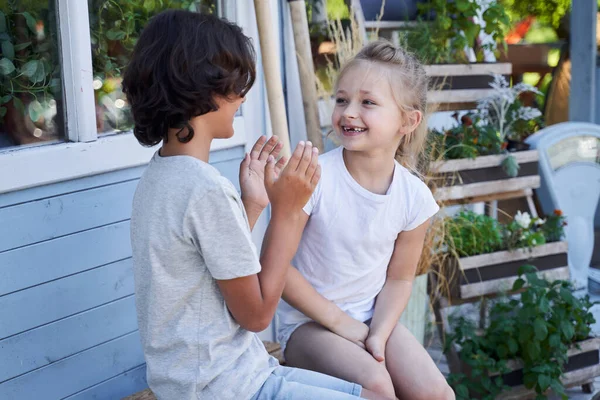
(23, 168)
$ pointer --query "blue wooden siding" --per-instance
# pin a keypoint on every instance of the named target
(67, 310)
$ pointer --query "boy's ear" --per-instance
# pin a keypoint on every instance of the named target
(411, 120)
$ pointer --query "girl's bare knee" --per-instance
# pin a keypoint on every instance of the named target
(380, 382)
(439, 391)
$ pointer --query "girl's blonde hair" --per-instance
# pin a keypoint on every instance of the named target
(409, 84)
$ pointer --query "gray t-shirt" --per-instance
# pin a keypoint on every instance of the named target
(188, 229)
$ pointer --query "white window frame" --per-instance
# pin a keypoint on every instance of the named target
(85, 152)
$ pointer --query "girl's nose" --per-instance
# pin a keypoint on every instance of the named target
(351, 112)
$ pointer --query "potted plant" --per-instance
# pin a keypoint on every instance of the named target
(486, 153)
(535, 343)
(453, 39)
(484, 255)
(29, 74)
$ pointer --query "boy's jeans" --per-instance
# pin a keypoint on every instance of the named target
(299, 384)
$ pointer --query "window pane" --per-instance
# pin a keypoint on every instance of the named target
(30, 86)
(115, 28)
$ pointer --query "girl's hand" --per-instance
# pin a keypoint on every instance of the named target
(351, 329)
(376, 346)
(252, 172)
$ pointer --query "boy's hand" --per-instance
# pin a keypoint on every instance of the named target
(351, 329)
(252, 172)
(291, 190)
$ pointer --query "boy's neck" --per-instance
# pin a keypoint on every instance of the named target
(198, 147)
(374, 172)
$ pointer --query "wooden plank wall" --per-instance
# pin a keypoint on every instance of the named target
(68, 328)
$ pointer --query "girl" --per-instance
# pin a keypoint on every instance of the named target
(365, 228)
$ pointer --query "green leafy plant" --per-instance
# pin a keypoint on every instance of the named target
(444, 29)
(115, 28)
(548, 12)
(505, 111)
(510, 165)
(29, 69)
(553, 227)
(470, 138)
(468, 233)
(535, 329)
(500, 125)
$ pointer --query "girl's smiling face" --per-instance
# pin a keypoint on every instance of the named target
(366, 116)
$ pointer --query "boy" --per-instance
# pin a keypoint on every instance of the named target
(200, 287)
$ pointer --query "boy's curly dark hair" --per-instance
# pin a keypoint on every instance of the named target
(181, 62)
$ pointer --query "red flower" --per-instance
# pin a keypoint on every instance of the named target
(558, 212)
(466, 120)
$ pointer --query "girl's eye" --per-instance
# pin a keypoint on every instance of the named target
(339, 100)
(368, 102)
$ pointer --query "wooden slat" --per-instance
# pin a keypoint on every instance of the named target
(482, 162)
(143, 395)
(569, 379)
(387, 25)
(47, 219)
(58, 299)
(72, 186)
(491, 197)
(77, 373)
(580, 376)
(53, 259)
(487, 188)
(501, 257)
(468, 69)
(584, 347)
(478, 289)
(458, 95)
(39, 347)
(122, 385)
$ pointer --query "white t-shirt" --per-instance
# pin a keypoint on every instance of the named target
(349, 238)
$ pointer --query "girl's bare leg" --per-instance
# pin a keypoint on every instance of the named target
(316, 348)
(414, 374)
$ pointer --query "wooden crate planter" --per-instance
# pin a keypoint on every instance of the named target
(472, 277)
(458, 86)
(581, 368)
(462, 180)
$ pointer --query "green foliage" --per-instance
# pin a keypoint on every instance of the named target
(445, 28)
(547, 12)
(115, 27)
(510, 165)
(554, 226)
(469, 234)
(29, 66)
(469, 139)
(536, 328)
(500, 119)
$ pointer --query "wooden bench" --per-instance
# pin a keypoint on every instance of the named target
(274, 349)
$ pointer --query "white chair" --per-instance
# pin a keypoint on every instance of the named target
(570, 181)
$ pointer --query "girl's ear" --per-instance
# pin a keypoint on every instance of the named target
(411, 120)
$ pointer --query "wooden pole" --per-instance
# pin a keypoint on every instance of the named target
(306, 72)
(583, 60)
(270, 61)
